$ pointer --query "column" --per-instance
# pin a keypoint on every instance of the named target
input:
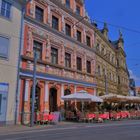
(62, 52)
(83, 11)
(74, 6)
(74, 31)
(92, 40)
(46, 96)
(29, 42)
(75, 90)
(95, 91)
(26, 94)
(44, 51)
(49, 15)
(32, 8)
(84, 36)
(48, 50)
(62, 91)
(26, 113)
(84, 60)
(63, 24)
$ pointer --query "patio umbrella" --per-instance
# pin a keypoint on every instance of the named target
(78, 96)
(114, 98)
(82, 96)
(133, 99)
(96, 99)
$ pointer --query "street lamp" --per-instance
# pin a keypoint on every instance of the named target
(33, 88)
(106, 85)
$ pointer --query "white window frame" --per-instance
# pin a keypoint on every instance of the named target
(10, 2)
(7, 56)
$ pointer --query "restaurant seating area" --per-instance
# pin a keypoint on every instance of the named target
(102, 117)
(87, 108)
(44, 118)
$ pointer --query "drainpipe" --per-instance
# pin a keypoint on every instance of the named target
(18, 66)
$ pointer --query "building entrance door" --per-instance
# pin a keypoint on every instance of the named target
(3, 102)
(53, 100)
(67, 103)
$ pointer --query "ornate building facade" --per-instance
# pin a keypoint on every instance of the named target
(64, 47)
(112, 75)
(72, 55)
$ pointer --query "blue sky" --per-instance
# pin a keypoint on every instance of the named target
(124, 13)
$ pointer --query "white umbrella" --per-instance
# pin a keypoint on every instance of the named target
(134, 99)
(82, 96)
(96, 99)
(78, 96)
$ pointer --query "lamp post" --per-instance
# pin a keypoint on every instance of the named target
(106, 86)
(33, 89)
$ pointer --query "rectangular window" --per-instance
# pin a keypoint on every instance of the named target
(5, 9)
(55, 23)
(88, 67)
(67, 60)
(4, 47)
(0, 102)
(39, 14)
(38, 49)
(79, 64)
(119, 80)
(78, 9)
(79, 36)
(68, 3)
(88, 41)
(54, 55)
(68, 29)
(99, 70)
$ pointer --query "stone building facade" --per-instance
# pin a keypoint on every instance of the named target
(112, 75)
(66, 58)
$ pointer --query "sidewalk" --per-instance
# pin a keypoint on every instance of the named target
(18, 128)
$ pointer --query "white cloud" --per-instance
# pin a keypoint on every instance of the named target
(132, 75)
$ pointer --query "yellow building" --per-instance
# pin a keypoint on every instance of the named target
(111, 68)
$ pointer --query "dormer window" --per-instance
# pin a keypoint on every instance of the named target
(78, 9)
(68, 3)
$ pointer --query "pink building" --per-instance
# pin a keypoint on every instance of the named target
(65, 52)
